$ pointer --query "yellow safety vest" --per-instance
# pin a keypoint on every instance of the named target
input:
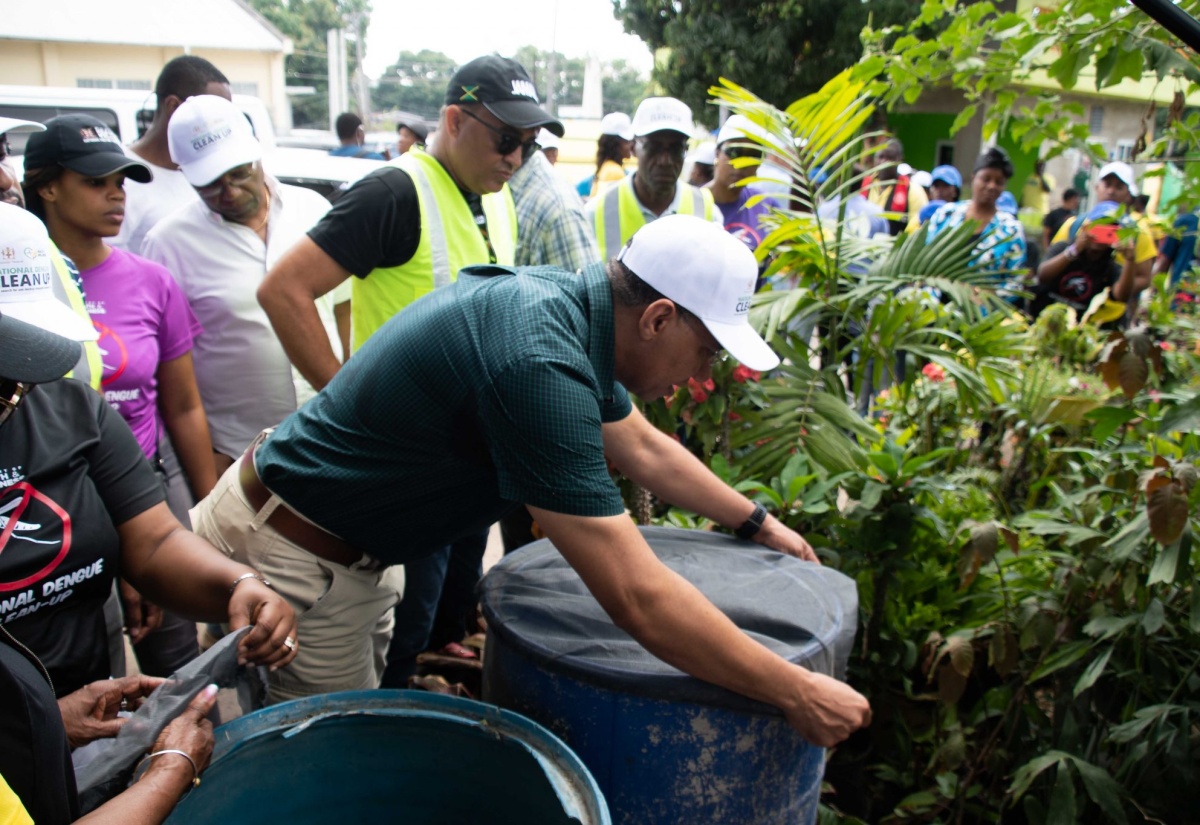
(450, 240)
(89, 369)
(619, 210)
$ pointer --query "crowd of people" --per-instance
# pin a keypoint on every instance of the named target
(220, 456)
(307, 417)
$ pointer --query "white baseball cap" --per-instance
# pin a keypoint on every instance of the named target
(28, 279)
(12, 124)
(708, 272)
(657, 114)
(1123, 172)
(742, 128)
(617, 123)
(705, 153)
(547, 139)
(208, 136)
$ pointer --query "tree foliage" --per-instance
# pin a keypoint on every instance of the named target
(415, 83)
(991, 55)
(781, 48)
(307, 23)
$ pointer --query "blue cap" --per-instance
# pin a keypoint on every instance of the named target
(947, 174)
(1104, 209)
(928, 209)
(1007, 203)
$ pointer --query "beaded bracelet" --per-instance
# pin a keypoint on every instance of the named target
(245, 576)
(138, 772)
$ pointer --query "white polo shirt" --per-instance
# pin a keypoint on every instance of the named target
(148, 203)
(246, 381)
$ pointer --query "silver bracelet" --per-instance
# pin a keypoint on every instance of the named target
(139, 773)
(245, 576)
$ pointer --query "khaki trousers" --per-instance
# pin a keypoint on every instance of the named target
(344, 614)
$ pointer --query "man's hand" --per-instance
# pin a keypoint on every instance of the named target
(141, 616)
(776, 535)
(827, 711)
(90, 713)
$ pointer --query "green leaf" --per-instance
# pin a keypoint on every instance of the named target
(1093, 672)
(1132, 535)
(1183, 417)
(1154, 617)
(1062, 798)
(885, 463)
(1030, 771)
(1195, 617)
(1105, 627)
(1108, 419)
(720, 467)
(1171, 563)
(1102, 789)
(1065, 656)
(1128, 64)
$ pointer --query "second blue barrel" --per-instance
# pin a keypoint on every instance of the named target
(666, 748)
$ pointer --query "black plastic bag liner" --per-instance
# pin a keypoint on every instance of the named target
(806, 613)
(109, 771)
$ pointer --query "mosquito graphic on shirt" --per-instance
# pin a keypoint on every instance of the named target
(21, 525)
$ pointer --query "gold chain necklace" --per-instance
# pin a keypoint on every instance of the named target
(266, 217)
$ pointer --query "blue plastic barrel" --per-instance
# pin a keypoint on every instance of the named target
(666, 748)
(391, 756)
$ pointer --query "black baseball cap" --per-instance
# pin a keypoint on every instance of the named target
(32, 355)
(504, 88)
(82, 144)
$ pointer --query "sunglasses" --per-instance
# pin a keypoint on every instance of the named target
(735, 152)
(508, 142)
(11, 395)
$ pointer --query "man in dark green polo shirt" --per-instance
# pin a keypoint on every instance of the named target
(508, 388)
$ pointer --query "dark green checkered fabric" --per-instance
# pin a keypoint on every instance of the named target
(484, 394)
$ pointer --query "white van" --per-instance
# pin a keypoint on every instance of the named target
(129, 113)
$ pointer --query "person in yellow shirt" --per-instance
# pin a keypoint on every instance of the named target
(1036, 192)
(1116, 184)
(893, 192)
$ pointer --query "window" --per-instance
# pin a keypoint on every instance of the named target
(136, 85)
(1124, 151)
(1096, 121)
(40, 114)
(244, 88)
(93, 83)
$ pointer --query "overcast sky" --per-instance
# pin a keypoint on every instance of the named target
(465, 29)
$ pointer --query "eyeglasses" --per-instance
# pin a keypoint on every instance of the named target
(237, 176)
(508, 142)
(11, 395)
(719, 355)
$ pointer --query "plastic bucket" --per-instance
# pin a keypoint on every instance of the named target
(391, 756)
(666, 748)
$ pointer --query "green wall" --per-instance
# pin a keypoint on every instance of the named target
(1023, 163)
(920, 134)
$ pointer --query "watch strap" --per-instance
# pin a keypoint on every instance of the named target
(750, 527)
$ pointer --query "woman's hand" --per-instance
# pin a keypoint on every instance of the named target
(273, 641)
(189, 732)
(141, 616)
(90, 713)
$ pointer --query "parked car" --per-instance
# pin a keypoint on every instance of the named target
(129, 113)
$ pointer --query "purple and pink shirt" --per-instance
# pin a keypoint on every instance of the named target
(742, 221)
(144, 320)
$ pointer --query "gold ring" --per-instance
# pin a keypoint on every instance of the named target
(289, 643)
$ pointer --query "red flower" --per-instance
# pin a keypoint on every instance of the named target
(696, 390)
(934, 373)
(709, 385)
(742, 374)
(734, 417)
(1166, 346)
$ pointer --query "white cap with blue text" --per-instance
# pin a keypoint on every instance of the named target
(28, 280)
(707, 271)
(657, 114)
(208, 136)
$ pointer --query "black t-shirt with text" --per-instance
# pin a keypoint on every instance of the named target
(70, 472)
(1082, 280)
